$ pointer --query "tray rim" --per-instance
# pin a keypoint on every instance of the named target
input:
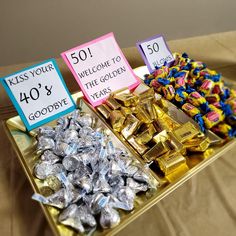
(151, 202)
(28, 174)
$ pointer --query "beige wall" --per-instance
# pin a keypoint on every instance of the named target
(33, 30)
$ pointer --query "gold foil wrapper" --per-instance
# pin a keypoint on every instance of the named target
(134, 110)
(156, 151)
(143, 119)
(146, 135)
(120, 92)
(159, 112)
(197, 145)
(46, 191)
(162, 103)
(165, 123)
(170, 140)
(206, 154)
(177, 146)
(140, 148)
(112, 103)
(185, 132)
(148, 107)
(200, 135)
(126, 110)
(148, 94)
(117, 120)
(177, 173)
(169, 163)
(158, 125)
(127, 99)
(130, 126)
(161, 137)
(142, 114)
(104, 110)
(195, 158)
(169, 122)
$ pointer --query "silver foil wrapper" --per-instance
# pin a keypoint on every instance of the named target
(70, 217)
(90, 177)
(136, 186)
(109, 217)
(86, 216)
(45, 168)
(49, 156)
(45, 143)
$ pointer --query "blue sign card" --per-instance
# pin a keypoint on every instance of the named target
(39, 93)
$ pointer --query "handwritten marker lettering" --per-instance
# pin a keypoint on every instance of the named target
(100, 68)
(39, 93)
(155, 52)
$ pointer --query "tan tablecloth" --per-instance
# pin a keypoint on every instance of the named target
(205, 205)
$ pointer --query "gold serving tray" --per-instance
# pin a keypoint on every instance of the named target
(24, 146)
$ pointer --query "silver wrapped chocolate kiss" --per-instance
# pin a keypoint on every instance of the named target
(89, 178)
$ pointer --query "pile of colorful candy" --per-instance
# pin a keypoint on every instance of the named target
(198, 91)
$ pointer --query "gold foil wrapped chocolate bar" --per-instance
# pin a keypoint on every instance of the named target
(88, 176)
(169, 163)
(142, 120)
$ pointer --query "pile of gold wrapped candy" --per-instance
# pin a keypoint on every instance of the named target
(141, 118)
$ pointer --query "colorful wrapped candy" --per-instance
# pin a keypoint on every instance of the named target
(213, 117)
(181, 78)
(212, 98)
(199, 91)
(181, 95)
(190, 109)
(156, 85)
(231, 120)
(224, 130)
(207, 86)
(191, 81)
(168, 92)
(173, 70)
(199, 101)
(218, 88)
(206, 72)
(195, 113)
(195, 72)
(232, 104)
(148, 79)
(232, 93)
(164, 81)
(161, 72)
(198, 65)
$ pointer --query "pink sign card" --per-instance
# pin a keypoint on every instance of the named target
(100, 68)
